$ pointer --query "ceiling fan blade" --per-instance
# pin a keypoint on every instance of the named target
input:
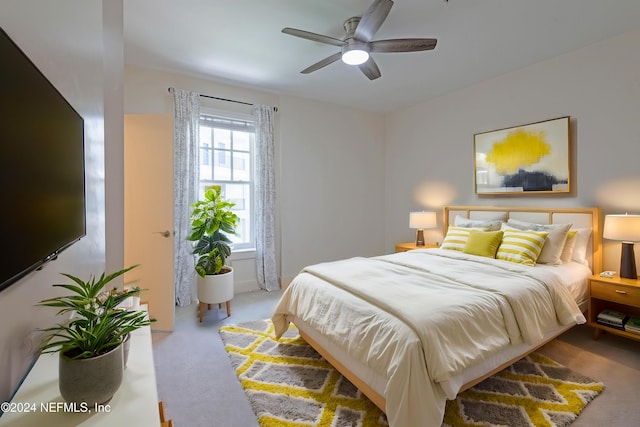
(372, 19)
(320, 64)
(370, 69)
(313, 36)
(402, 45)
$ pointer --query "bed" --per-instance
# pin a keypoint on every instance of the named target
(413, 329)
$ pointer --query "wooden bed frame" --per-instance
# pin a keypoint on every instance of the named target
(587, 217)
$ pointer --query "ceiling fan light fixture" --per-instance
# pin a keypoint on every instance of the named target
(358, 41)
(355, 53)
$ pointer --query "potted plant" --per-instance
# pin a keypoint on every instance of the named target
(90, 342)
(211, 221)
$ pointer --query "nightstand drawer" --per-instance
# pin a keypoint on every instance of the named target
(614, 292)
(409, 246)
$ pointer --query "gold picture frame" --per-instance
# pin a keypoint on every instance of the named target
(526, 159)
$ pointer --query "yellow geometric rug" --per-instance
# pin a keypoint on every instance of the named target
(289, 384)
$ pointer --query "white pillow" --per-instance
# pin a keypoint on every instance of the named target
(524, 225)
(554, 243)
(582, 242)
(567, 251)
(488, 225)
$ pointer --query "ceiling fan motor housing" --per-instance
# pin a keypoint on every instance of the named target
(350, 26)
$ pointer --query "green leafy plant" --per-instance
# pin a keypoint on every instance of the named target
(96, 324)
(211, 220)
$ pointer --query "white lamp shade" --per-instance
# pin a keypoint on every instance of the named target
(622, 227)
(421, 220)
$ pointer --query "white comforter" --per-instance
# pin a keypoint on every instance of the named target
(422, 316)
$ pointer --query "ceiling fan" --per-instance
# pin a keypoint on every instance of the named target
(357, 44)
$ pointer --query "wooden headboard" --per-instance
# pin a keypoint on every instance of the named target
(589, 217)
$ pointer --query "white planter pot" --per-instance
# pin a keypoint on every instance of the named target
(215, 289)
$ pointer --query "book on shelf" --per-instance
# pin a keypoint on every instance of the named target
(611, 324)
(633, 325)
(612, 316)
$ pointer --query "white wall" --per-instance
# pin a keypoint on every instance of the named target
(64, 40)
(113, 71)
(429, 151)
(332, 183)
(330, 171)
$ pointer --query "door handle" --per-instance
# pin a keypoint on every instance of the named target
(165, 233)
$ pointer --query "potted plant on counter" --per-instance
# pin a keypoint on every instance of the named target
(212, 220)
(90, 342)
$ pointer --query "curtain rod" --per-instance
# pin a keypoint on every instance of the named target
(225, 99)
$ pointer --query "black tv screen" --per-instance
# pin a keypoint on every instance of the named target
(42, 184)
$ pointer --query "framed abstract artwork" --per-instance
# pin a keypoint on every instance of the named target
(527, 159)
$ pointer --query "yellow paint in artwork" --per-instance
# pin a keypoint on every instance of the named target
(517, 150)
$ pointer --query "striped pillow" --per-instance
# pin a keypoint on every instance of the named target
(456, 238)
(522, 247)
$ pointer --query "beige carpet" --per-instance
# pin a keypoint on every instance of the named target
(289, 384)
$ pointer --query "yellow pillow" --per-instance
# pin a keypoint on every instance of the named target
(522, 247)
(457, 237)
(483, 243)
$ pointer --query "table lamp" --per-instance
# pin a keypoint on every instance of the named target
(420, 221)
(625, 228)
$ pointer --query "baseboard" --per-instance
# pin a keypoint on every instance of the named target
(246, 286)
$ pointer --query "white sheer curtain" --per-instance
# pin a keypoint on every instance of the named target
(265, 198)
(185, 190)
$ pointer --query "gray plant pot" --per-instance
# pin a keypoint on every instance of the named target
(93, 380)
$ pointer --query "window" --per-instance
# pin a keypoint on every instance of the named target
(226, 159)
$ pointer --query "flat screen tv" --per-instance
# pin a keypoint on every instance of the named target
(42, 184)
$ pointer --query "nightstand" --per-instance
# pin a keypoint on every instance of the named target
(613, 293)
(403, 247)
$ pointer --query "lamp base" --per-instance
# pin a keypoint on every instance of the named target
(420, 237)
(628, 262)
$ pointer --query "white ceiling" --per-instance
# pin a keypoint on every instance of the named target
(240, 42)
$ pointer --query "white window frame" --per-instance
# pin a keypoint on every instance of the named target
(250, 245)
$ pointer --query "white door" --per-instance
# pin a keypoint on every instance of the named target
(148, 205)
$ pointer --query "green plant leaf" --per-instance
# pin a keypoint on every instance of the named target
(97, 324)
(212, 219)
